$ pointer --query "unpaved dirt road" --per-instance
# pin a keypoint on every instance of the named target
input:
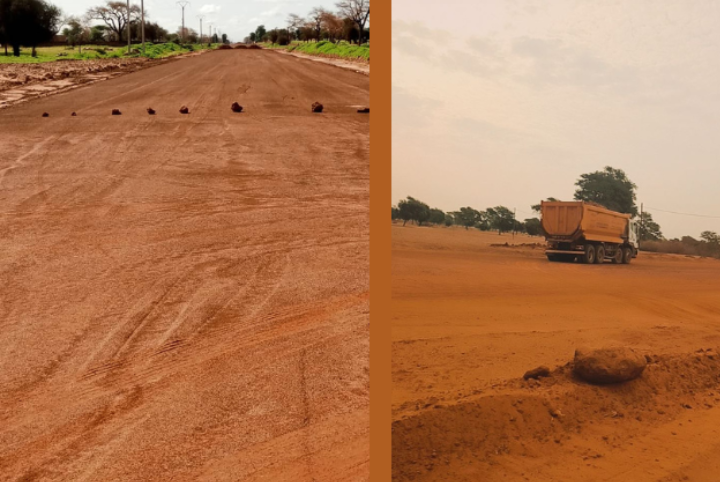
(469, 319)
(185, 297)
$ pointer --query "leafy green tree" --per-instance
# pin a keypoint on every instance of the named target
(501, 218)
(413, 210)
(252, 36)
(468, 217)
(28, 22)
(260, 33)
(449, 219)
(224, 38)
(395, 213)
(610, 188)
(533, 227)
(649, 229)
(437, 216)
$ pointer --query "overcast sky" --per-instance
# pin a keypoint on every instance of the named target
(236, 18)
(506, 102)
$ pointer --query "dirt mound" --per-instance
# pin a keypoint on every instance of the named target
(235, 107)
(150, 111)
(254, 46)
(364, 110)
(520, 245)
(317, 107)
(45, 114)
(545, 418)
(184, 110)
(116, 112)
(224, 47)
(608, 365)
(240, 46)
(541, 371)
(74, 114)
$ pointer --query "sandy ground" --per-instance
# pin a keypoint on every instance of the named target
(355, 65)
(469, 319)
(185, 297)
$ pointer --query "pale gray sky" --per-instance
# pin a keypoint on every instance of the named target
(235, 18)
(506, 102)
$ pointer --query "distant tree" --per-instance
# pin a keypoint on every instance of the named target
(294, 24)
(710, 237)
(315, 21)
(97, 33)
(252, 36)
(215, 38)
(273, 35)
(649, 229)
(350, 31)
(358, 11)
(437, 216)
(28, 22)
(533, 227)
(610, 188)
(538, 207)
(260, 33)
(155, 33)
(75, 32)
(449, 219)
(413, 210)
(115, 15)
(501, 218)
(225, 38)
(468, 217)
(395, 213)
(332, 26)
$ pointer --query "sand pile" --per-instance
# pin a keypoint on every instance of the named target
(540, 417)
(224, 47)
(254, 46)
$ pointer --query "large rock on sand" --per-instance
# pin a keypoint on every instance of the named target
(608, 365)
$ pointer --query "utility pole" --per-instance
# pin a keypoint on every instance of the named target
(183, 4)
(142, 22)
(128, 25)
(210, 35)
(201, 19)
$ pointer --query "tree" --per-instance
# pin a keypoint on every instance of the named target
(449, 219)
(252, 37)
(28, 22)
(437, 216)
(294, 24)
(649, 229)
(333, 26)
(610, 188)
(413, 210)
(97, 33)
(468, 217)
(533, 227)
(501, 218)
(358, 11)
(115, 15)
(315, 20)
(76, 32)
(538, 207)
(224, 38)
(710, 237)
(260, 33)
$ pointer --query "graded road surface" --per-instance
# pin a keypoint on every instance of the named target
(469, 319)
(185, 297)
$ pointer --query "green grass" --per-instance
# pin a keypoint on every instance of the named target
(342, 50)
(93, 52)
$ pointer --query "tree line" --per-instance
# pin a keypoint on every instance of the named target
(609, 187)
(348, 23)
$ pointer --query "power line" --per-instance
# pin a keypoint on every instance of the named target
(684, 214)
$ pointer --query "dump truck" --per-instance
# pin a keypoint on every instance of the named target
(588, 232)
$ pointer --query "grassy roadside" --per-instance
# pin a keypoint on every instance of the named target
(343, 50)
(95, 52)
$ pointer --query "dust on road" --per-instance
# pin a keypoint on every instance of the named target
(185, 297)
(469, 319)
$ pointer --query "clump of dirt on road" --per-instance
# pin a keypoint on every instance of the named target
(235, 107)
(240, 46)
(224, 47)
(184, 110)
(554, 418)
(254, 46)
(317, 107)
(150, 111)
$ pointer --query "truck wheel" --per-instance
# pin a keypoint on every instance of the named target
(589, 256)
(600, 254)
(618, 256)
(627, 255)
